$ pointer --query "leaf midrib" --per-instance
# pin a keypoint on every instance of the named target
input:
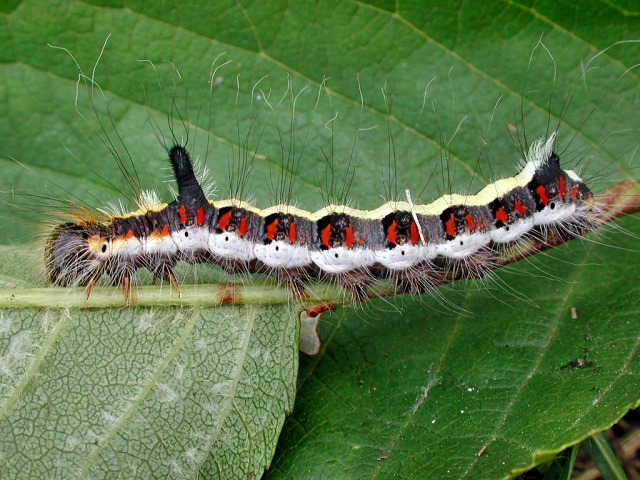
(250, 316)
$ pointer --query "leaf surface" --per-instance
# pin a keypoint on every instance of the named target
(412, 388)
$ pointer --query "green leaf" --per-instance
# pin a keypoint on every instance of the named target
(417, 387)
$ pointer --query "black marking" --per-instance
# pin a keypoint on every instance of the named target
(403, 220)
(281, 229)
(547, 177)
(508, 203)
(338, 224)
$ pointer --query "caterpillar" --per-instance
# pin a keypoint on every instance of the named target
(417, 246)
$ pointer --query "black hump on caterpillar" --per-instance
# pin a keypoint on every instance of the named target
(550, 184)
(189, 190)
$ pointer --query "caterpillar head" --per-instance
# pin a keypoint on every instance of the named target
(69, 258)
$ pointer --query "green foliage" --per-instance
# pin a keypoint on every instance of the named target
(409, 388)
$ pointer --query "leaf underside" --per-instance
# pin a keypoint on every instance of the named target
(144, 392)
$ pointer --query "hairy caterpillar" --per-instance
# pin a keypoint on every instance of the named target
(418, 246)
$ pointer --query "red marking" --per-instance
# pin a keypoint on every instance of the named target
(182, 211)
(200, 217)
(470, 223)
(165, 231)
(501, 215)
(301, 238)
(223, 221)
(360, 241)
(542, 193)
(574, 193)
(562, 187)
(415, 236)
(129, 234)
(271, 230)
(325, 236)
(313, 312)
(391, 233)
(520, 208)
(450, 226)
(480, 224)
(243, 227)
(292, 233)
(348, 236)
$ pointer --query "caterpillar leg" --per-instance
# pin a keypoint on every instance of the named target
(356, 283)
(296, 287)
(358, 292)
(126, 288)
(121, 275)
(164, 270)
(169, 276)
(293, 278)
(89, 285)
